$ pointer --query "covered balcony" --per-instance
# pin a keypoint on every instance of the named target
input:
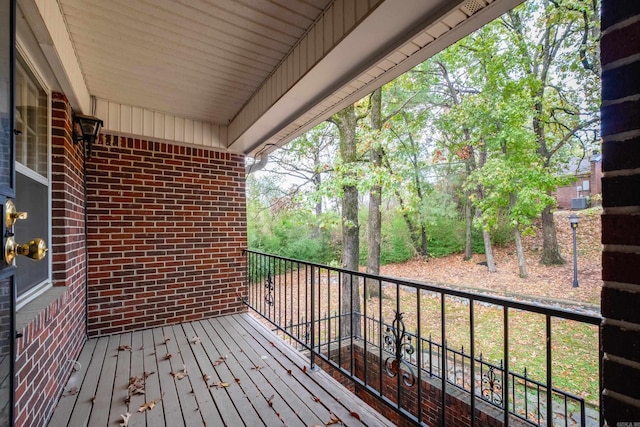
(147, 284)
(381, 338)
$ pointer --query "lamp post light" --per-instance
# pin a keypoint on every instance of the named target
(573, 219)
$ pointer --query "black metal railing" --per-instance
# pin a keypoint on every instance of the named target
(387, 336)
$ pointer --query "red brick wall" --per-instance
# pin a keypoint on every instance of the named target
(167, 226)
(55, 336)
(620, 114)
(457, 406)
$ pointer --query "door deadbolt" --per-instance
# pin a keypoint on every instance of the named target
(35, 249)
(12, 215)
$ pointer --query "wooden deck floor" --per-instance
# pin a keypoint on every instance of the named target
(227, 371)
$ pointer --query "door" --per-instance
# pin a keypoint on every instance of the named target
(7, 192)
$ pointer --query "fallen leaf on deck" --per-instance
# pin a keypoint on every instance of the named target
(237, 380)
(166, 340)
(289, 372)
(136, 385)
(257, 367)
(272, 344)
(206, 378)
(270, 400)
(125, 419)
(149, 405)
(147, 374)
(124, 347)
(334, 420)
(168, 356)
(304, 369)
(355, 415)
(180, 375)
(195, 340)
(220, 360)
(316, 399)
(72, 391)
(220, 384)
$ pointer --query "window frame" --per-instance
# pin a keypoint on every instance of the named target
(24, 60)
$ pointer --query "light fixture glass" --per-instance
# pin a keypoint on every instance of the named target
(86, 129)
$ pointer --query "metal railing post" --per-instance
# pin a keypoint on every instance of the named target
(313, 316)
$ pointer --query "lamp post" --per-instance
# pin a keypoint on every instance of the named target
(573, 219)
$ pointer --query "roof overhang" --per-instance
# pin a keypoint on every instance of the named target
(313, 61)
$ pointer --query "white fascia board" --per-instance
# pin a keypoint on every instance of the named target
(47, 24)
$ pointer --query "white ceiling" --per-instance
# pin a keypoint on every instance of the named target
(261, 71)
(201, 58)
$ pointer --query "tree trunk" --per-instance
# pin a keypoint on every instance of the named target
(486, 237)
(522, 264)
(374, 238)
(488, 251)
(317, 184)
(374, 228)
(345, 120)
(550, 251)
(468, 224)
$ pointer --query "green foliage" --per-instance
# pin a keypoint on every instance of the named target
(294, 234)
(446, 236)
(396, 242)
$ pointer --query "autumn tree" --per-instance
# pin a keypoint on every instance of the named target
(556, 54)
(347, 176)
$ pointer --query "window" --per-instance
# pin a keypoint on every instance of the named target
(32, 180)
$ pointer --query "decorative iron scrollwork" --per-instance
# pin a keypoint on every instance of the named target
(398, 341)
(269, 286)
(492, 387)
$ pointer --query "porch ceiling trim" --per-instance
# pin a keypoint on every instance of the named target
(375, 52)
(47, 24)
(129, 120)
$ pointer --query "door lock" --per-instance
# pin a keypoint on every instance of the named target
(12, 215)
(35, 249)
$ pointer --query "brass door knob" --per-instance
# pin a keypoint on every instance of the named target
(35, 249)
(12, 215)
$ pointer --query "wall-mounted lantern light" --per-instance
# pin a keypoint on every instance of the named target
(85, 130)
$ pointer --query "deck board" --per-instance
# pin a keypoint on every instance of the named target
(235, 349)
(277, 383)
(87, 392)
(137, 369)
(68, 400)
(152, 385)
(232, 402)
(168, 398)
(245, 366)
(318, 384)
(205, 405)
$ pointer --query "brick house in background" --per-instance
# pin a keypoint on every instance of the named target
(587, 182)
(149, 230)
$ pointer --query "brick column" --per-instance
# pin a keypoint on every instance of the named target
(620, 54)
